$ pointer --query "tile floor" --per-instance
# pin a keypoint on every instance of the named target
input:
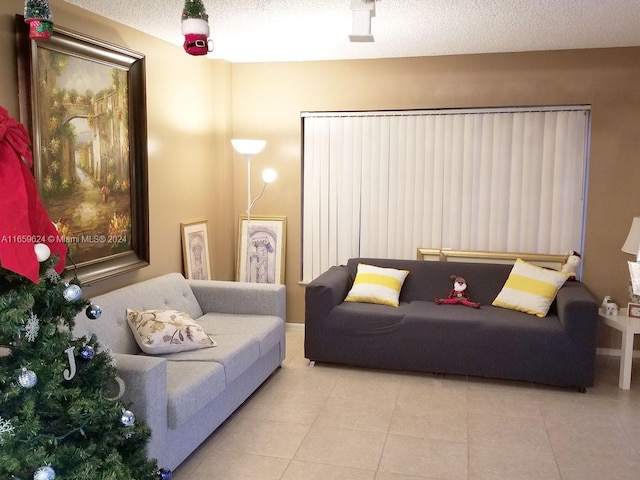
(328, 422)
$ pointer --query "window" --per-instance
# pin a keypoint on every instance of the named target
(382, 184)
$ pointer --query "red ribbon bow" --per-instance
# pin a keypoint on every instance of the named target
(24, 221)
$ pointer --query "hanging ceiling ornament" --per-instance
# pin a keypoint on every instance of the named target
(37, 14)
(195, 28)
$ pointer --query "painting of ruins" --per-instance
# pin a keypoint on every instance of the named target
(86, 106)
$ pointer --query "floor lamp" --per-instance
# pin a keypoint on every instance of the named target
(250, 148)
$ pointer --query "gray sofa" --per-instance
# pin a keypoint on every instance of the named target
(420, 335)
(185, 396)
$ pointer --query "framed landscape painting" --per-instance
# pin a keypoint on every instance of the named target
(83, 103)
(261, 249)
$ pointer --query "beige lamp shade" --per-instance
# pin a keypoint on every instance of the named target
(269, 175)
(248, 147)
(632, 243)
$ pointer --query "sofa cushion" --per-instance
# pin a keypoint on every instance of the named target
(424, 336)
(170, 291)
(190, 386)
(241, 340)
(164, 331)
(377, 285)
(530, 289)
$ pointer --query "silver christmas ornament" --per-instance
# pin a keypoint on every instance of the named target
(72, 292)
(44, 473)
(127, 418)
(27, 378)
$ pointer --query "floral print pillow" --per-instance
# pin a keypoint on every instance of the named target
(167, 331)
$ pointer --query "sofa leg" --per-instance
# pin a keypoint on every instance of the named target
(582, 389)
(312, 363)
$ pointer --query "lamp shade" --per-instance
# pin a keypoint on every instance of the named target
(632, 243)
(269, 175)
(248, 147)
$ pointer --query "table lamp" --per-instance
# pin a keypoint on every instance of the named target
(632, 246)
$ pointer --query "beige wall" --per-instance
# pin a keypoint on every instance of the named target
(268, 99)
(195, 105)
(188, 118)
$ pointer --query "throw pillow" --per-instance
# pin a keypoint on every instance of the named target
(166, 331)
(377, 285)
(530, 288)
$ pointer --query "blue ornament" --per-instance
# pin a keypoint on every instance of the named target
(44, 473)
(165, 474)
(93, 311)
(87, 352)
(72, 292)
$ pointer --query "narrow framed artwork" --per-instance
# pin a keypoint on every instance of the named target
(633, 310)
(83, 102)
(195, 250)
(261, 249)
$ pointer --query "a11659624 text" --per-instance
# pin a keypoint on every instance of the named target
(97, 239)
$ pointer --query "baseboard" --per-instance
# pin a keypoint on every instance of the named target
(615, 352)
(295, 326)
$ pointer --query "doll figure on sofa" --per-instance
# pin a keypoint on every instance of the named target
(458, 294)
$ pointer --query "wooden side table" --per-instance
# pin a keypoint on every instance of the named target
(629, 326)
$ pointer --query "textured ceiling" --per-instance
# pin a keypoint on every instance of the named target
(301, 30)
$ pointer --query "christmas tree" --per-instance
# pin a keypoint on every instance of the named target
(60, 413)
(37, 9)
(37, 14)
(194, 9)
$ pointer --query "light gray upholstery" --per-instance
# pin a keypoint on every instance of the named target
(185, 396)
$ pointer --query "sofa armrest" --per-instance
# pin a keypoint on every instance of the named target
(329, 289)
(578, 314)
(321, 295)
(240, 298)
(145, 380)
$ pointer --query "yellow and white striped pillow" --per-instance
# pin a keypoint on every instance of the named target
(530, 288)
(377, 285)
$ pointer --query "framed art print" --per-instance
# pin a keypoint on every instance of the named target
(261, 250)
(634, 310)
(195, 250)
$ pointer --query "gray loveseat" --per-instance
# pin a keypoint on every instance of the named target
(420, 335)
(185, 396)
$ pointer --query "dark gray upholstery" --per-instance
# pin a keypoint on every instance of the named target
(419, 335)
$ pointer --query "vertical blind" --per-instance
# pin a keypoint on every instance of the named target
(382, 184)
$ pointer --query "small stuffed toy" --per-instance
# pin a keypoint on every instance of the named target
(458, 294)
(572, 264)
